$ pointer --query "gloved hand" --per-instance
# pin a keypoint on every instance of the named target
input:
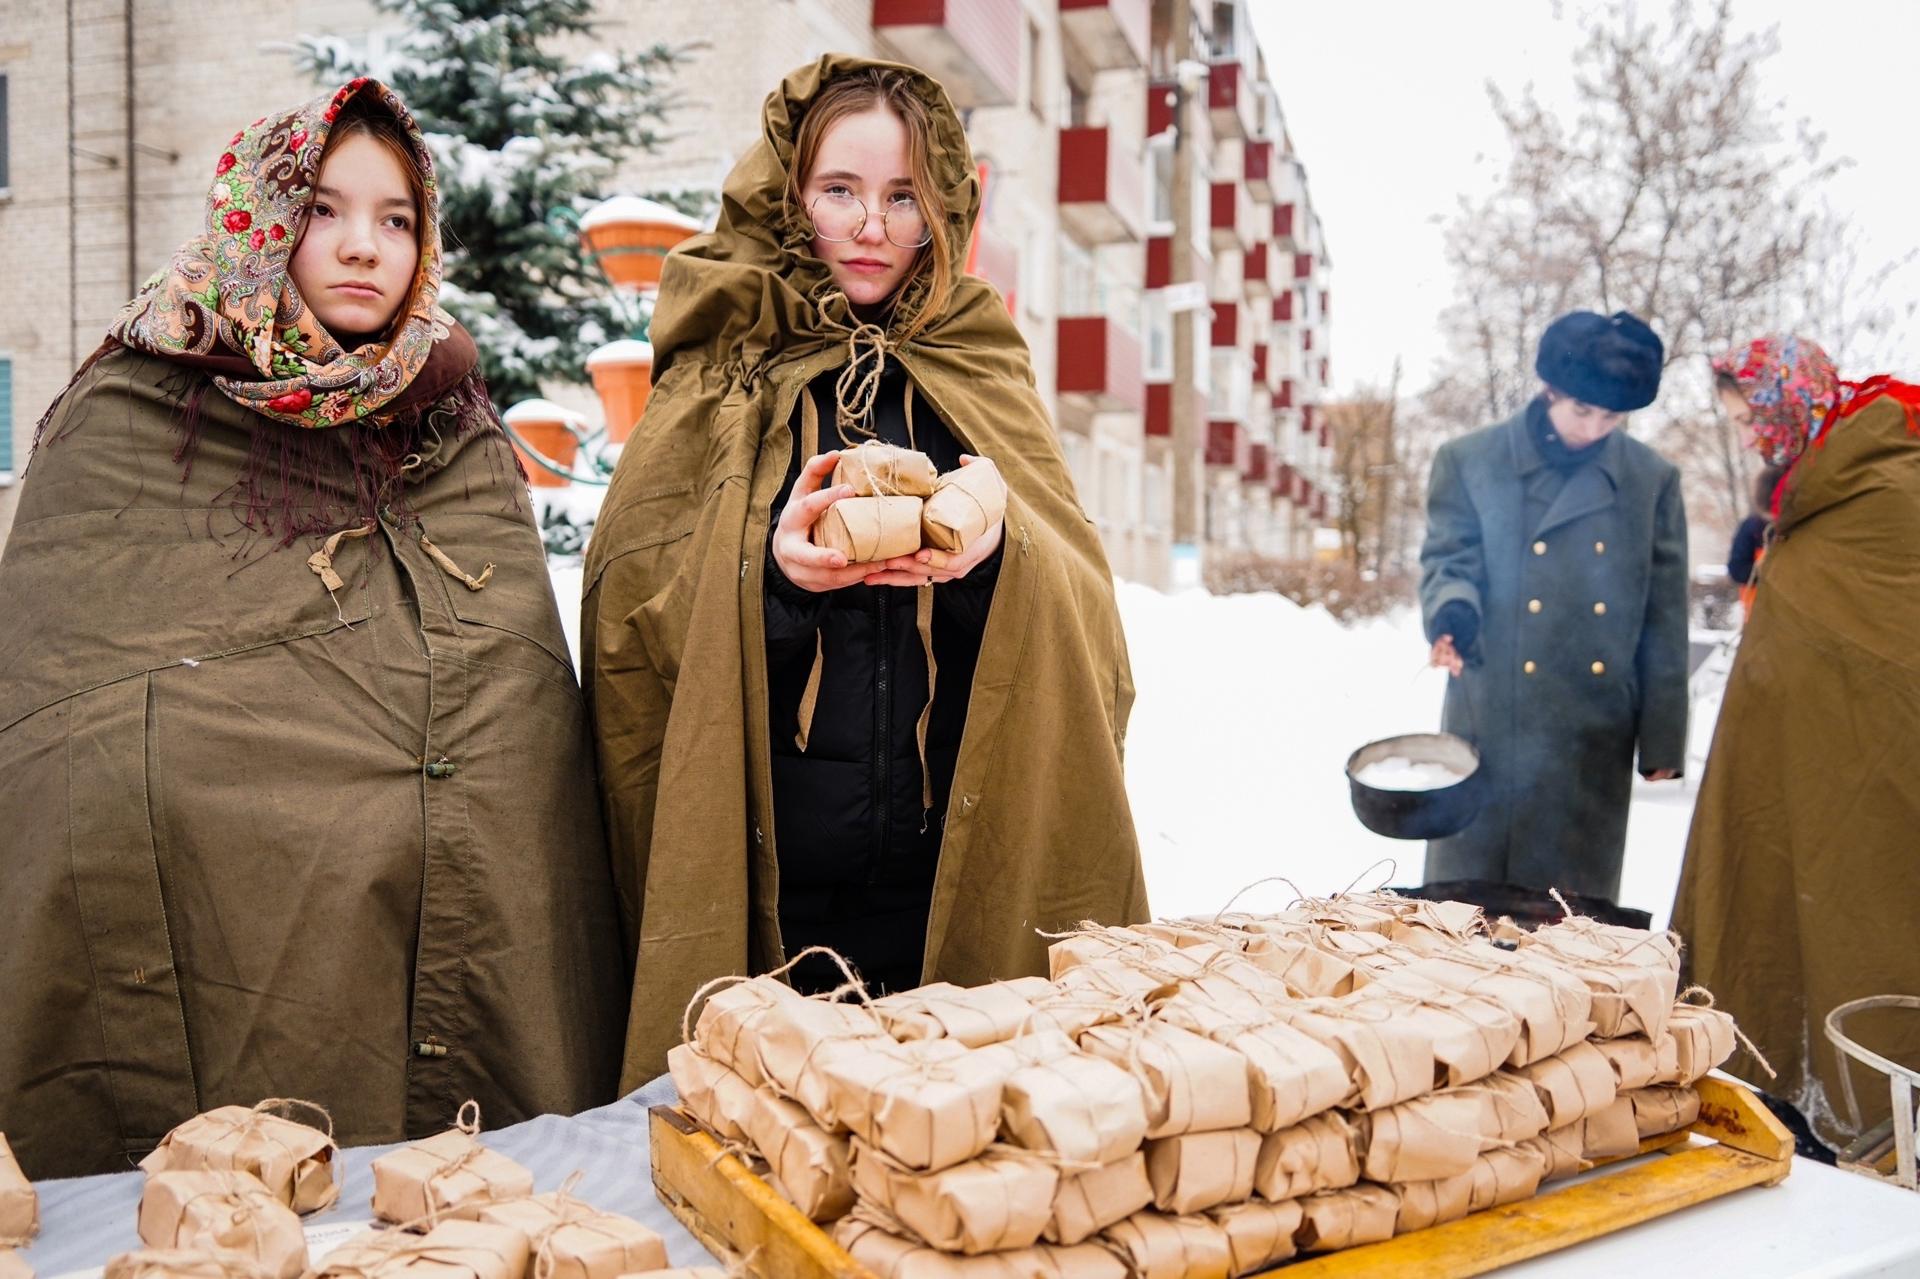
(1458, 619)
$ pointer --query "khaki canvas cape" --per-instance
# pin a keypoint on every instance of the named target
(259, 839)
(1038, 832)
(1800, 874)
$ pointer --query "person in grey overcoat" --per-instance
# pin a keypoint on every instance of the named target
(1554, 589)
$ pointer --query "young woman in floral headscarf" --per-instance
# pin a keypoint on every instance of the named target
(294, 774)
(1800, 875)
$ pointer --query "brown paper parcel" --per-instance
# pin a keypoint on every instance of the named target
(1439, 1135)
(874, 468)
(1610, 1132)
(929, 1104)
(1702, 1039)
(573, 1240)
(1196, 1171)
(1387, 1059)
(1191, 1084)
(451, 1250)
(1663, 1108)
(1506, 1176)
(294, 1161)
(794, 1040)
(870, 529)
(810, 1164)
(1518, 1113)
(1432, 1203)
(975, 1017)
(1000, 1200)
(710, 1092)
(1572, 1084)
(965, 504)
(1472, 1035)
(227, 1211)
(1258, 1234)
(1321, 1154)
(449, 1174)
(1637, 1061)
(12, 1267)
(1336, 1219)
(1084, 1109)
(174, 1263)
(19, 1205)
(1634, 975)
(1086, 1203)
(1156, 1246)
(890, 1256)
(725, 1031)
(1561, 1150)
(1554, 1007)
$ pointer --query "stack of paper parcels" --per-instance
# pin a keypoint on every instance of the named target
(293, 1161)
(901, 505)
(1207, 1097)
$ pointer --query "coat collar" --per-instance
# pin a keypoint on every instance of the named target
(1587, 489)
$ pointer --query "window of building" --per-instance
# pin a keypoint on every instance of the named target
(6, 421)
(1160, 181)
(3, 133)
(1157, 332)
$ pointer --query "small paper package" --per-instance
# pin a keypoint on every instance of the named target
(19, 1205)
(975, 1017)
(1572, 1084)
(870, 529)
(451, 1250)
(1322, 1153)
(1196, 1171)
(569, 1239)
(1702, 1039)
(222, 1211)
(1335, 1219)
(1435, 927)
(1634, 975)
(710, 1092)
(1191, 1084)
(293, 1160)
(875, 468)
(1439, 1135)
(1472, 1036)
(1084, 1109)
(795, 1039)
(998, 1201)
(1506, 1176)
(1259, 1234)
(1086, 1203)
(449, 1174)
(171, 1263)
(809, 1165)
(1610, 1132)
(1561, 1151)
(1554, 1007)
(1637, 1061)
(1518, 1113)
(1387, 1058)
(1663, 1108)
(1156, 1246)
(725, 1031)
(1290, 1074)
(965, 504)
(889, 1255)
(1432, 1203)
(12, 1267)
(1306, 971)
(929, 1103)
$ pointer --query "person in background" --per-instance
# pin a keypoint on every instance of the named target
(1800, 876)
(1554, 590)
(1750, 539)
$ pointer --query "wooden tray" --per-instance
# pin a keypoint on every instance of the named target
(736, 1214)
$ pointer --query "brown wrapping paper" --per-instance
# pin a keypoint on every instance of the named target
(1155, 1246)
(1152, 961)
(173, 1263)
(1572, 1084)
(1432, 1203)
(1472, 1036)
(1553, 1006)
(1518, 1113)
(929, 1104)
(1435, 927)
(1387, 1059)
(1634, 975)
(725, 1031)
(1290, 1074)
(1322, 1153)
(1258, 1234)
(19, 1205)
(222, 1211)
(977, 1017)
(1305, 970)
(877, 469)
(448, 1175)
(808, 1164)
(1196, 1171)
(1561, 1151)
(1701, 1038)
(1505, 1176)
(1000, 1200)
(1663, 1108)
(890, 1256)
(1084, 1109)
(13, 1266)
(796, 1038)
(710, 1092)
(1336, 1219)
(1439, 1135)
(870, 529)
(292, 1160)
(1190, 1083)
(965, 504)
(1086, 1203)
(1637, 1061)
(451, 1250)
(572, 1240)
(1610, 1131)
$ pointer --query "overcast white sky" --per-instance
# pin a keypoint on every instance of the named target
(1387, 104)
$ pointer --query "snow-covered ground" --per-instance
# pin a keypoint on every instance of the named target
(1247, 708)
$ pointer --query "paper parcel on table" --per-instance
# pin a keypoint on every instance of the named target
(997, 1201)
(451, 1250)
(293, 1160)
(449, 1174)
(573, 1240)
(228, 1211)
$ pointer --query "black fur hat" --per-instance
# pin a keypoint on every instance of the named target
(1613, 362)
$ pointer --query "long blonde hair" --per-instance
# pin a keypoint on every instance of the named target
(849, 95)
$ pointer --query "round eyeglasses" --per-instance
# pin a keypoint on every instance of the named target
(840, 218)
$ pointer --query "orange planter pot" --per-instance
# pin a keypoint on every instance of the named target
(544, 427)
(630, 238)
(622, 376)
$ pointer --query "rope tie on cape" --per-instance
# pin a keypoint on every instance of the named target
(321, 563)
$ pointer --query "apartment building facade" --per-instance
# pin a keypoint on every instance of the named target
(1146, 216)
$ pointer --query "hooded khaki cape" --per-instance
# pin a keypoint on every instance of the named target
(1798, 889)
(1038, 832)
(258, 840)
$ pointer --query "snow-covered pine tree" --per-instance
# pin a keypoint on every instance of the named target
(524, 136)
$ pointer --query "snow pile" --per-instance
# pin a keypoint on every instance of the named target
(1398, 773)
(622, 351)
(633, 208)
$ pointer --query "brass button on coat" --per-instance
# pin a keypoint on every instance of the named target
(1599, 608)
(1533, 606)
(1599, 668)
(1529, 668)
(1539, 548)
(1599, 548)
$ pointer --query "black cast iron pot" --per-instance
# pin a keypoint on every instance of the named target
(1419, 814)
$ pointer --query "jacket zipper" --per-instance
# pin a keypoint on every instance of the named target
(883, 737)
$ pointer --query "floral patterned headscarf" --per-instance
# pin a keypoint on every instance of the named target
(1792, 386)
(227, 291)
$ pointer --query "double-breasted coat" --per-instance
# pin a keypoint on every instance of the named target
(1579, 579)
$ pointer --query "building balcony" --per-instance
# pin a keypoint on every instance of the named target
(1283, 227)
(1306, 419)
(1102, 200)
(1229, 322)
(1232, 100)
(1283, 307)
(1259, 464)
(1159, 261)
(971, 46)
(1227, 444)
(1303, 266)
(1098, 365)
(1111, 35)
(1159, 414)
(1258, 170)
(1306, 339)
(1232, 219)
(1260, 364)
(1259, 272)
(1281, 484)
(1283, 396)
